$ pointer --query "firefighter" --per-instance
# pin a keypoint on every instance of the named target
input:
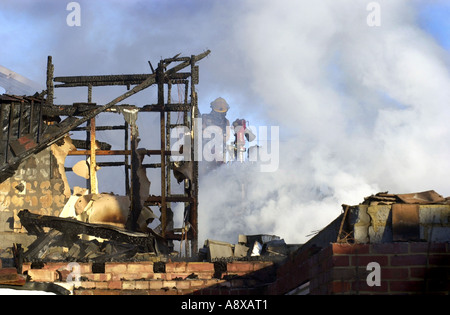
(217, 117)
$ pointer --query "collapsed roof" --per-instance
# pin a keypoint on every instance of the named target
(35, 143)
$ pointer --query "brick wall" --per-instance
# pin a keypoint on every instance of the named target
(405, 268)
(173, 278)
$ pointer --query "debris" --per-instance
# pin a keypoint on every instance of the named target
(9, 276)
(65, 231)
(263, 246)
(81, 169)
(425, 197)
(257, 248)
(218, 250)
(240, 251)
(405, 222)
(276, 248)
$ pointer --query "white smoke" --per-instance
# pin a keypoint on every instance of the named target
(361, 109)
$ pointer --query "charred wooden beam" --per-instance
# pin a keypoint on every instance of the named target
(81, 144)
(157, 199)
(115, 152)
(100, 128)
(84, 109)
(110, 80)
(34, 224)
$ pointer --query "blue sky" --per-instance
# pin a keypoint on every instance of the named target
(35, 29)
(435, 19)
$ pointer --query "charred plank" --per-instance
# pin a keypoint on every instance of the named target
(33, 222)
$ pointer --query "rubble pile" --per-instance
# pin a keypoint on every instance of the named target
(249, 247)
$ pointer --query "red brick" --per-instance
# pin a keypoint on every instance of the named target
(156, 284)
(84, 267)
(362, 287)
(240, 266)
(184, 275)
(43, 275)
(205, 275)
(159, 276)
(339, 261)
(140, 267)
(176, 267)
(199, 266)
(142, 285)
(425, 247)
(357, 260)
(115, 268)
(389, 248)
(408, 260)
(394, 273)
(343, 274)
(134, 276)
(128, 285)
(169, 284)
(114, 285)
(339, 286)
(417, 272)
(86, 285)
(350, 249)
(183, 285)
(97, 276)
(406, 286)
(100, 285)
(55, 265)
(262, 265)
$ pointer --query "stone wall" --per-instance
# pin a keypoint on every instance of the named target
(374, 223)
(38, 186)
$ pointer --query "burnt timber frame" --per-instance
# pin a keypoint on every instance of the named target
(35, 225)
(80, 113)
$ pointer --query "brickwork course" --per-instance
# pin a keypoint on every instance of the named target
(405, 268)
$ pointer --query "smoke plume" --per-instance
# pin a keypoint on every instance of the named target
(360, 108)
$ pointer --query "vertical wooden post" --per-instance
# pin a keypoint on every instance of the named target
(93, 162)
(160, 81)
(193, 209)
(126, 161)
(135, 183)
(50, 90)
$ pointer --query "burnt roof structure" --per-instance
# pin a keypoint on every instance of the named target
(31, 125)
